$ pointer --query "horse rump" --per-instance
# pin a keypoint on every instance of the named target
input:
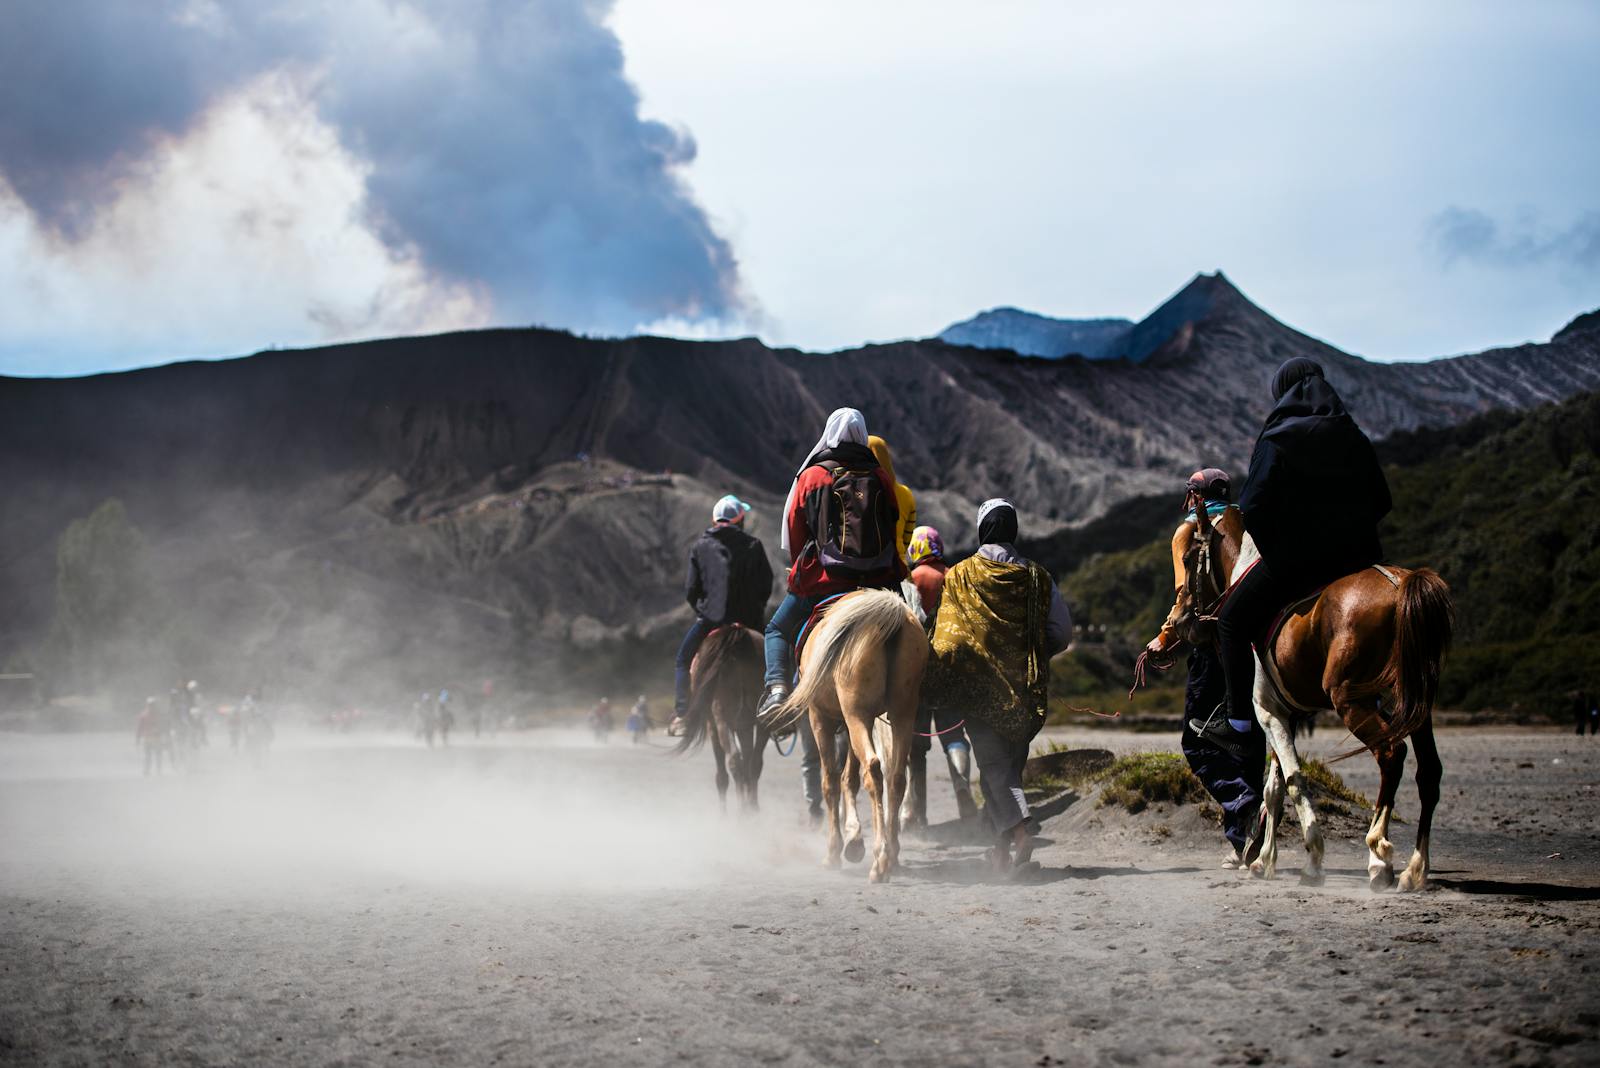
(726, 649)
(1424, 624)
(855, 626)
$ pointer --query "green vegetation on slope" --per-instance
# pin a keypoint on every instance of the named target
(1505, 506)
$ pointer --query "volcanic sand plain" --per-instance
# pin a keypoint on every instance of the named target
(538, 898)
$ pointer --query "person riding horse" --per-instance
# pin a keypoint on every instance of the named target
(729, 581)
(839, 527)
(1311, 503)
(1204, 548)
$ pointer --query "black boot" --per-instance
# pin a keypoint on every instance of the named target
(774, 697)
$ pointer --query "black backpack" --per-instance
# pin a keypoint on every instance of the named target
(854, 528)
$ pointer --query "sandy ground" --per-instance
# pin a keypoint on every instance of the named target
(538, 899)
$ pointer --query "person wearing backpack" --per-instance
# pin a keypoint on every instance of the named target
(839, 529)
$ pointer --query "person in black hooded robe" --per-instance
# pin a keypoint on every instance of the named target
(1312, 502)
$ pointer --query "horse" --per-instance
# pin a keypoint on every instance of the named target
(724, 686)
(863, 666)
(1382, 630)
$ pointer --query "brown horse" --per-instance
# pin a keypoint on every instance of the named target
(863, 667)
(1381, 631)
(724, 685)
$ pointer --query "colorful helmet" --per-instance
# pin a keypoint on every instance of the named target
(1211, 484)
(729, 509)
(926, 544)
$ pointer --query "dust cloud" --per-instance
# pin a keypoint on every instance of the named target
(545, 810)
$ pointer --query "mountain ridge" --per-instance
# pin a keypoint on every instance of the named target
(497, 496)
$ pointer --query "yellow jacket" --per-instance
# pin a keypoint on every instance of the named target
(903, 499)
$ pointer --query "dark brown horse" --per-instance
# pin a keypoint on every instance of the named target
(1380, 632)
(724, 686)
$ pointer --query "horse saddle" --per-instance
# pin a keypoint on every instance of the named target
(811, 622)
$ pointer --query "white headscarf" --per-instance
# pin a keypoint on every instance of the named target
(845, 424)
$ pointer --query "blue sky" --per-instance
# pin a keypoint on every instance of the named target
(1403, 180)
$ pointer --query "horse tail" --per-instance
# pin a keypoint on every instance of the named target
(717, 654)
(852, 630)
(1424, 622)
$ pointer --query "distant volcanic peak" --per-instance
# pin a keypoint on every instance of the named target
(1583, 323)
(1206, 297)
(1031, 334)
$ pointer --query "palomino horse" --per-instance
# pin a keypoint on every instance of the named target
(1378, 631)
(863, 666)
(724, 685)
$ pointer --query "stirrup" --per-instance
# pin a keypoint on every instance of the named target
(771, 701)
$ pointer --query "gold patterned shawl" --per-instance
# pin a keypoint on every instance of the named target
(990, 662)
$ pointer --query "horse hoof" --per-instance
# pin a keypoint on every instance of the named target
(854, 850)
(831, 863)
(1259, 870)
(1312, 878)
(1379, 878)
(1409, 885)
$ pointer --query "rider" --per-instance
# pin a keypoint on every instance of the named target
(839, 531)
(903, 498)
(1219, 761)
(729, 581)
(926, 557)
(1311, 503)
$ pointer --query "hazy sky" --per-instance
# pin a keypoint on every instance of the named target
(207, 178)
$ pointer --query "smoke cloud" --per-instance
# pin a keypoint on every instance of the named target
(497, 144)
(1467, 235)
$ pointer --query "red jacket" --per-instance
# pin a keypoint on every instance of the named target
(807, 577)
(928, 577)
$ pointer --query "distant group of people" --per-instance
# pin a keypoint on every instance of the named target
(601, 722)
(172, 735)
(433, 715)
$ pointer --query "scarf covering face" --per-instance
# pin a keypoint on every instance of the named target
(997, 522)
(845, 426)
(989, 657)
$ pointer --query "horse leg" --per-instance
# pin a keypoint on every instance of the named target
(860, 725)
(1429, 772)
(751, 745)
(893, 754)
(1265, 866)
(854, 850)
(1380, 851)
(721, 755)
(1367, 726)
(830, 787)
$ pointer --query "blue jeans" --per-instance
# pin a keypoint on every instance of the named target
(782, 629)
(1233, 784)
(691, 645)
